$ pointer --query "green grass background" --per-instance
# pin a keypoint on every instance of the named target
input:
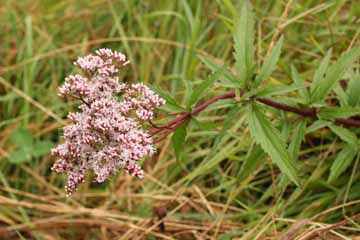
(203, 194)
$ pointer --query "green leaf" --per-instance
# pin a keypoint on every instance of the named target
(42, 148)
(271, 141)
(270, 62)
(342, 162)
(20, 155)
(278, 89)
(178, 139)
(199, 90)
(21, 137)
(320, 72)
(334, 74)
(243, 43)
(227, 78)
(253, 158)
(170, 101)
(304, 93)
(231, 117)
(225, 103)
(298, 137)
(203, 125)
(345, 135)
(353, 90)
(341, 95)
(230, 6)
(188, 92)
(318, 124)
(331, 113)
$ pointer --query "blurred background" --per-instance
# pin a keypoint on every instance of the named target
(205, 195)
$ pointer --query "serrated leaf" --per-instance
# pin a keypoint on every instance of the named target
(331, 113)
(253, 158)
(243, 43)
(42, 148)
(334, 73)
(178, 139)
(320, 72)
(20, 155)
(342, 162)
(304, 93)
(199, 90)
(271, 141)
(270, 62)
(345, 135)
(297, 138)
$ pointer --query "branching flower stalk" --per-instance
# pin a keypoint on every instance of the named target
(107, 133)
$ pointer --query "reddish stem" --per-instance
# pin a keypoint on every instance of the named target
(305, 112)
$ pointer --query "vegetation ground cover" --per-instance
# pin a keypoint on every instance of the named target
(209, 188)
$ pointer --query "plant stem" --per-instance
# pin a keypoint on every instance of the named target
(305, 112)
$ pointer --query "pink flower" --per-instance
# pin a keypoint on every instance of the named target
(104, 136)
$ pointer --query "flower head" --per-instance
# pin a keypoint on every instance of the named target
(106, 134)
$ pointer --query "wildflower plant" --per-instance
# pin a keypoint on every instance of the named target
(107, 133)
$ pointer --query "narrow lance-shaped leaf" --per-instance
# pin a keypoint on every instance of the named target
(227, 78)
(353, 90)
(334, 74)
(188, 92)
(178, 139)
(270, 62)
(199, 90)
(230, 6)
(271, 141)
(171, 103)
(345, 135)
(244, 40)
(331, 113)
(304, 93)
(342, 162)
(320, 72)
(253, 158)
(298, 136)
(231, 116)
(341, 95)
(318, 124)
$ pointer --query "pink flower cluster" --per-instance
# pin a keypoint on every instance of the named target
(106, 134)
